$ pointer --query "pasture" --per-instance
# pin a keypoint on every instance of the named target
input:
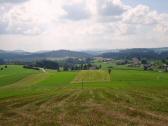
(126, 98)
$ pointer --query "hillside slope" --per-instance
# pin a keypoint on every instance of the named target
(27, 56)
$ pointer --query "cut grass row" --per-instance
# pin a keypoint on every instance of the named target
(65, 106)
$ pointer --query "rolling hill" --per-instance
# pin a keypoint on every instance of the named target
(27, 56)
(147, 53)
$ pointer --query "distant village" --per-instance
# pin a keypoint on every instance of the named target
(161, 66)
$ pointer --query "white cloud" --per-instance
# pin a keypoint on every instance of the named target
(53, 24)
(109, 7)
(140, 15)
(162, 25)
(33, 15)
(147, 20)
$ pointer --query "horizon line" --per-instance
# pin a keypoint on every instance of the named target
(91, 49)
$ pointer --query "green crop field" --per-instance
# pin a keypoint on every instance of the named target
(126, 98)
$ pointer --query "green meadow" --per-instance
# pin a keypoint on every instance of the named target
(83, 98)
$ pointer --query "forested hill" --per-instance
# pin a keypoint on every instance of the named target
(156, 53)
(21, 55)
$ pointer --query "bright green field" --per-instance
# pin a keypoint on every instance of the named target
(130, 98)
(13, 74)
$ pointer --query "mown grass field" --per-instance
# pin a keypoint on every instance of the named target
(130, 98)
(92, 76)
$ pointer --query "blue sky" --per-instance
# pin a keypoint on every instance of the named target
(159, 5)
(83, 24)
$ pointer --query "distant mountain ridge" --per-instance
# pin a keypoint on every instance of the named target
(151, 53)
(98, 52)
(148, 53)
(22, 55)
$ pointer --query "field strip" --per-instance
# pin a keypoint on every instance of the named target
(43, 70)
(91, 76)
(74, 82)
(27, 81)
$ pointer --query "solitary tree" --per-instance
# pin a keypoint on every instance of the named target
(65, 67)
(100, 66)
(109, 71)
(144, 61)
(85, 67)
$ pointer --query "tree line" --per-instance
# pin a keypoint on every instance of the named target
(65, 65)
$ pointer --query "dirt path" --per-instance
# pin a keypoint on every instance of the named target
(43, 70)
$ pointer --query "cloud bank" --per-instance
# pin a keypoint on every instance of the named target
(79, 24)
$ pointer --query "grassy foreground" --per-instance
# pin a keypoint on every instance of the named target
(130, 98)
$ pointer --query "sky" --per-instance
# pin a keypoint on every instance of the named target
(34, 25)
